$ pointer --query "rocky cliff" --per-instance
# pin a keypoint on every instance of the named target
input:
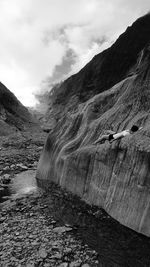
(13, 115)
(110, 92)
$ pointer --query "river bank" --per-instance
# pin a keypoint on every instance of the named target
(55, 228)
(29, 236)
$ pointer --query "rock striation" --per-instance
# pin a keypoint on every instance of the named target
(110, 92)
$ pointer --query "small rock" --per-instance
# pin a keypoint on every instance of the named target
(75, 264)
(62, 229)
(34, 243)
(42, 253)
(5, 197)
(4, 186)
(20, 165)
(2, 219)
(12, 166)
(67, 225)
(17, 233)
(13, 259)
(64, 264)
(85, 265)
(53, 222)
(57, 256)
(55, 244)
(30, 265)
(68, 251)
(40, 148)
(35, 163)
(21, 261)
(6, 176)
(6, 168)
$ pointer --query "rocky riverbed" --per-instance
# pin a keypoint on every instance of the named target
(54, 228)
(18, 153)
(27, 236)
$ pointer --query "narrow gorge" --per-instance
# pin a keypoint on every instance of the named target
(112, 92)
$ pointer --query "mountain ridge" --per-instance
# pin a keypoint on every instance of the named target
(104, 64)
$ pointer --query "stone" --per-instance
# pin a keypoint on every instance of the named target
(57, 256)
(39, 148)
(13, 259)
(53, 222)
(20, 165)
(42, 253)
(75, 264)
(35, 243)
(17, 233)
(30, 265)
(12, 166)
(2, 219)
(62, 229)
(64, 264)
(6, 168)
(67, 250)
(6, 176)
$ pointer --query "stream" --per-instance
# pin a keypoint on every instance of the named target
(22, 183)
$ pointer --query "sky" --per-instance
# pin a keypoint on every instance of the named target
(49, 40)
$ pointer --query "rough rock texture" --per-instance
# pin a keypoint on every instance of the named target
(13, 115)
(114, 176)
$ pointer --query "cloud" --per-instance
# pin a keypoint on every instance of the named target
(54, 38)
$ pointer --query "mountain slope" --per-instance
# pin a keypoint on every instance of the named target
(111, 92)
(13, 115)
(110, 66)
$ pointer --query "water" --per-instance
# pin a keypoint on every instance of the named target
(23, 183)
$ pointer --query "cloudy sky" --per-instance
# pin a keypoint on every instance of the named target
(52, 39)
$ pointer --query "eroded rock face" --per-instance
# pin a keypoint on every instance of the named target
(114, 176)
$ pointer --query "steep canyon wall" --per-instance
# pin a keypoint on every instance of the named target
(114, 176)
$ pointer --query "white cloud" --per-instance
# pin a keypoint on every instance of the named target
(36, 35)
